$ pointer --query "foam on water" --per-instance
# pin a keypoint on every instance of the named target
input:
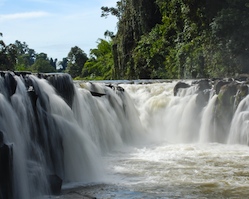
(181, 170)
(140, 142)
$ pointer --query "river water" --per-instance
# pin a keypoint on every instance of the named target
(130, 141)
(173, 155)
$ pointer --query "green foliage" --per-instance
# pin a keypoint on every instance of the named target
(76, 60)
(189, 39)
(149, 55)
(100, 64)
(155, 39)
(42, 64)
(7, 56)
(117, 11)
(137, 19)
(25, 56)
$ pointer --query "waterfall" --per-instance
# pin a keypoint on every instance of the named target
(239, 133)
(56, 131)
(207, 131)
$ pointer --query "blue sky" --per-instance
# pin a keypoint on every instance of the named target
(54, 26)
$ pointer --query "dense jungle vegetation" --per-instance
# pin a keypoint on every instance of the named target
(154, 39)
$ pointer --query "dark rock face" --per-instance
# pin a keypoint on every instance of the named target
(227, 94)
(218, 84)
(115, 87)
(63, 84)
(6, 169)
(180, 85)
(225, 109)
(47, 133)
(46, 149)
(242, 92)
(230, 93)
(202, 84)
(55, 183)
(95, 94)
(10, 83)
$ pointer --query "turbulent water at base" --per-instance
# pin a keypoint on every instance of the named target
(182, 158)
(126, 141)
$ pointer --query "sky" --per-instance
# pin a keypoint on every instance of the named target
(55, 26)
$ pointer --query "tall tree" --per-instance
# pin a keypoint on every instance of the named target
(8, 55)
(76, 60)
(136, 17)
(42, 64)
(25, 56)
(100, 64)
(62, 64)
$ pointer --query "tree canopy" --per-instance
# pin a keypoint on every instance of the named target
(154, 39)
(182, 38)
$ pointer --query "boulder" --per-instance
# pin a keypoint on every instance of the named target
(10, 83)
(202, 85)
(242, 92)
(180, 85)
(55, 183)
(218, 84)
(227, 94)
(63, 85)
(224, 110)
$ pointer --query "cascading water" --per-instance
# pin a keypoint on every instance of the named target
(58, 132)
(239, 133)
(164, 140)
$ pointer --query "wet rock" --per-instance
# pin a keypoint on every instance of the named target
(115, 87)
(95, 94)
(55, 183)
(202, 85)
(6, 169)
(180, 85)
(242, 92)
(218, 84)
(22, 73)
(227, 94)
(10, 83)
(64, 86)
(224, 110)
(242, 77)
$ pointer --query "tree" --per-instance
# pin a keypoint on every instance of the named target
(76, 60)
(136, 18)
(25, 56)
(42, 64)
(8, 56)
(230, 30)
(101, 64)
(63, 64)
(117, 11)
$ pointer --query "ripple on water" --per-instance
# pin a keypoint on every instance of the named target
(175, 171)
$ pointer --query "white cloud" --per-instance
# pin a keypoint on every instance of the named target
(59, 28)
(24, 15)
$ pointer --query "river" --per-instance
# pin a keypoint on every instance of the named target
(124, 140)
(176, 160)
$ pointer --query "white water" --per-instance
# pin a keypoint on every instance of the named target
(140, 143)
(182, 158)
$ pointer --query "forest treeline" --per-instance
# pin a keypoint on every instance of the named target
(180, 38)
(154, 39)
